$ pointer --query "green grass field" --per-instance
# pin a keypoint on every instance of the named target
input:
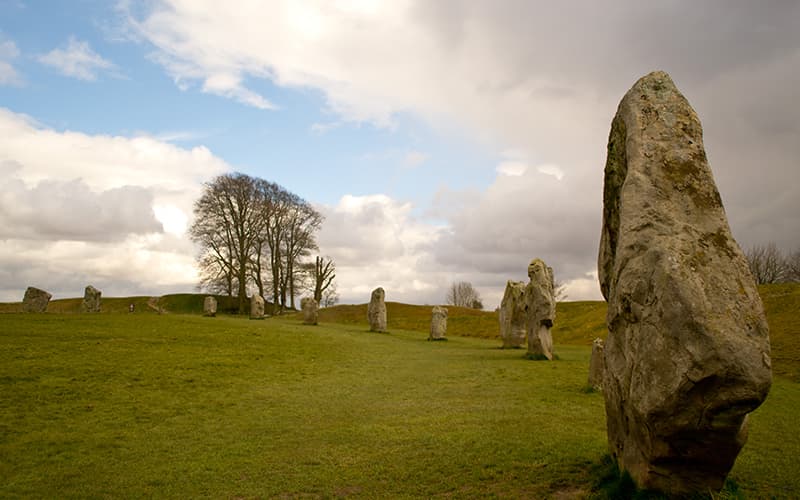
(177, 405)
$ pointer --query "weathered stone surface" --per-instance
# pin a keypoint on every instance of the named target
(513, 317)
(376, 311)
(256, 307)
(438, 323)
(541, 310)
(35, 300)
(687, 354)
(210, 306)
(310, 310)
(597, 365)
(91, 299)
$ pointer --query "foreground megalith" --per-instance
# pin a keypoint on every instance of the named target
(35, 300)
(687, 353)
(256, 307)
(541, 310)
(597, 365)
(513, 318)
(210, 306)
(438, 323)
(91, 299)
(376, 311)
(310, 310)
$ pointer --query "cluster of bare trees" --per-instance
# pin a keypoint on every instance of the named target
(769, 265)
(254, 234)
(463, 294)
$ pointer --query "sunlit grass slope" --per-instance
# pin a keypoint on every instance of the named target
(172, 405)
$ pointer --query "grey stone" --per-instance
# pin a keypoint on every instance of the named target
(35, 300)
(438, 323)
(376, 311)
(513, 316)
(210, 306)
(91, 299)
(687, 354)
(541, 310)
(597, 365)
(256, 307)
(310, 310)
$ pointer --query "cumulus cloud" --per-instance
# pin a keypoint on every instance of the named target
(111, 211)
(59, 210)
(540, 79)
(8, 74)
(77, 60)
(375, 241)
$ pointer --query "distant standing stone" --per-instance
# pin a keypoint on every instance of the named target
(35, 300)
(256, 307)
(376, 311)
(91, 299)
(687, 354)
(438, 323)
(597, 365)
(310, 310)
(541, 310)
(513, 316)
(210, 306)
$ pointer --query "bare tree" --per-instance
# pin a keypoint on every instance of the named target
(766, 263)
(329, 296)
(463, 294)
(560, 291)
(322, 273)
(226, 226)
(793, 267)
(302, 222)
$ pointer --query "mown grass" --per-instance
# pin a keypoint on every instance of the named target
(175, 405)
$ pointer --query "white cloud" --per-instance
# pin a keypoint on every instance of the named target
(523, 75)
(77, 60)
(8, 74)
(112, 211)
(511, 168)
(552, 170)
(375, 241)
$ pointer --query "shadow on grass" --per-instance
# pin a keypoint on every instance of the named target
(611, 484)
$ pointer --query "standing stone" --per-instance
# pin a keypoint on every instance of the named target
(310, 310)
(91, 299)
(597, 365)
(35, 300)
(438, 323)
(376, 312)
(541, 310)
(513, 317)
(687, 353)
(210, 306)
(256, 307)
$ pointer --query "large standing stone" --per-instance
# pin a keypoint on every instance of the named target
(256, 307)
(541, 310)
(310, 310)
(687, 354)
(376, 312)
(91, 299)
(438, 323)
(513, 317)
(597, 365)
(210, 306)
(35, 300)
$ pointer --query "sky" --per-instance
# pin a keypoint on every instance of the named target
(443, 141)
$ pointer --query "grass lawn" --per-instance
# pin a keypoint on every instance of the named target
(117, 405)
